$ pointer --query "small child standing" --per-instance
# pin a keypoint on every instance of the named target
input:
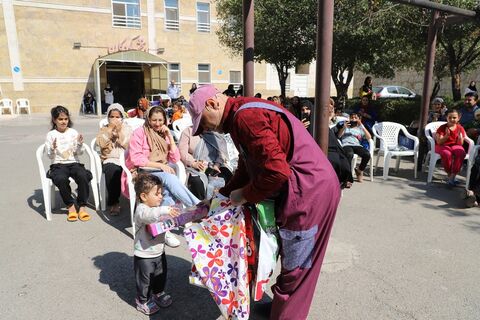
(449, 144)
(150, 261)
(63, 145)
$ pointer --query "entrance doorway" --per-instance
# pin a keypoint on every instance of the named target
(127, 82)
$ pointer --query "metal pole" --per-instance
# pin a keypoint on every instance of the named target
(98, 93)
(438, 6)
(323, 72)
(428, 76)
(248, 46)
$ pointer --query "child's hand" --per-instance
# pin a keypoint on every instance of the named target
(80, 139)
(447, 133)
(173, 212)
(54, 144)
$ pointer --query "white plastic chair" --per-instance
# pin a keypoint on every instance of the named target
(180, 125)
(371, 149)
(433, 157)
(103, 123)
(134, 123)
(102, 188)
(388, 133)
(23, 104)
(48, 187)
(6, 104)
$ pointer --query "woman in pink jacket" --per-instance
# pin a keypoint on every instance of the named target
(152, 146)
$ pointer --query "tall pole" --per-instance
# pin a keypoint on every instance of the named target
(248, 46)
(323, 71)
(428, 76)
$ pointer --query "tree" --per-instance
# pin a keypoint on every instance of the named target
(371, 36)
(285, 32)
(460, 44)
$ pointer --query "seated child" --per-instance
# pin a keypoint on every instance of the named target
(64, 144)
(149, 261)
(351, 134)
(449, 144)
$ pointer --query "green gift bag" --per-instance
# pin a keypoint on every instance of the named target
(266, 216)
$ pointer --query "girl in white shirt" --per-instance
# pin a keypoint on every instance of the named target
(63, 145)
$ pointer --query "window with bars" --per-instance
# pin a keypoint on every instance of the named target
(171, 15)
(174, 74)
(203, 17)
(126, 13)
(204, 73)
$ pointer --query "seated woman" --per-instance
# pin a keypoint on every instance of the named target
(152, 146)
(351, 133)
(204, 156)
(113, 139)
(140, 109)
(367, 112)
(449, 140)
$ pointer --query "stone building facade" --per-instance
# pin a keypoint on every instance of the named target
(53, 51)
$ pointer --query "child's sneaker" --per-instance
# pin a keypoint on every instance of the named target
(148, 308)
(162, 299)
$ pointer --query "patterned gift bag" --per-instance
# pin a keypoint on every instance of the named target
(217, 245)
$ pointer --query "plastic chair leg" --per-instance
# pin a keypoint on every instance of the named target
(376, 163)
(386, 165)
(95, 194)
(431, 167)
(103, 193)
(47, 202)
(415, 159)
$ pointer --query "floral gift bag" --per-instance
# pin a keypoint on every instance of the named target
(217, 245)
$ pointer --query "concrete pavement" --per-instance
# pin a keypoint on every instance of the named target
(399, 250)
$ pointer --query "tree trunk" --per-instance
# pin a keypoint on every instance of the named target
(436, 89)
(282, 78)
(456, 90)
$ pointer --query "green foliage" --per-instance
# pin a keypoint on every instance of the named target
(285, 31)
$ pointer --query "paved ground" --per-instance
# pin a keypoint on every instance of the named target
(399, 250)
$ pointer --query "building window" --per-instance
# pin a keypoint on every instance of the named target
(126, 13)
(204, 74)
(174, 74)
(171, 15)
(235, 79)
(203, 17)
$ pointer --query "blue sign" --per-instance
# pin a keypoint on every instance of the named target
(219, 72)
(16, 69)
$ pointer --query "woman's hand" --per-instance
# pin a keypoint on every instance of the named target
(306, 123)
(199, 165)
(164, 131)
(167, 169)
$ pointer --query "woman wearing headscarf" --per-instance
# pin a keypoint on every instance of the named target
(113, 139)
(204, 157)
(152, 146)
(140, 109)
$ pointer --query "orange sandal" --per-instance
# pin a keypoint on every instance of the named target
(72, 216)
(83, 216)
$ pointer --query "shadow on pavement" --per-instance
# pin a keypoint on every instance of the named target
(189, 302)
(35, 202)
(120, 222)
